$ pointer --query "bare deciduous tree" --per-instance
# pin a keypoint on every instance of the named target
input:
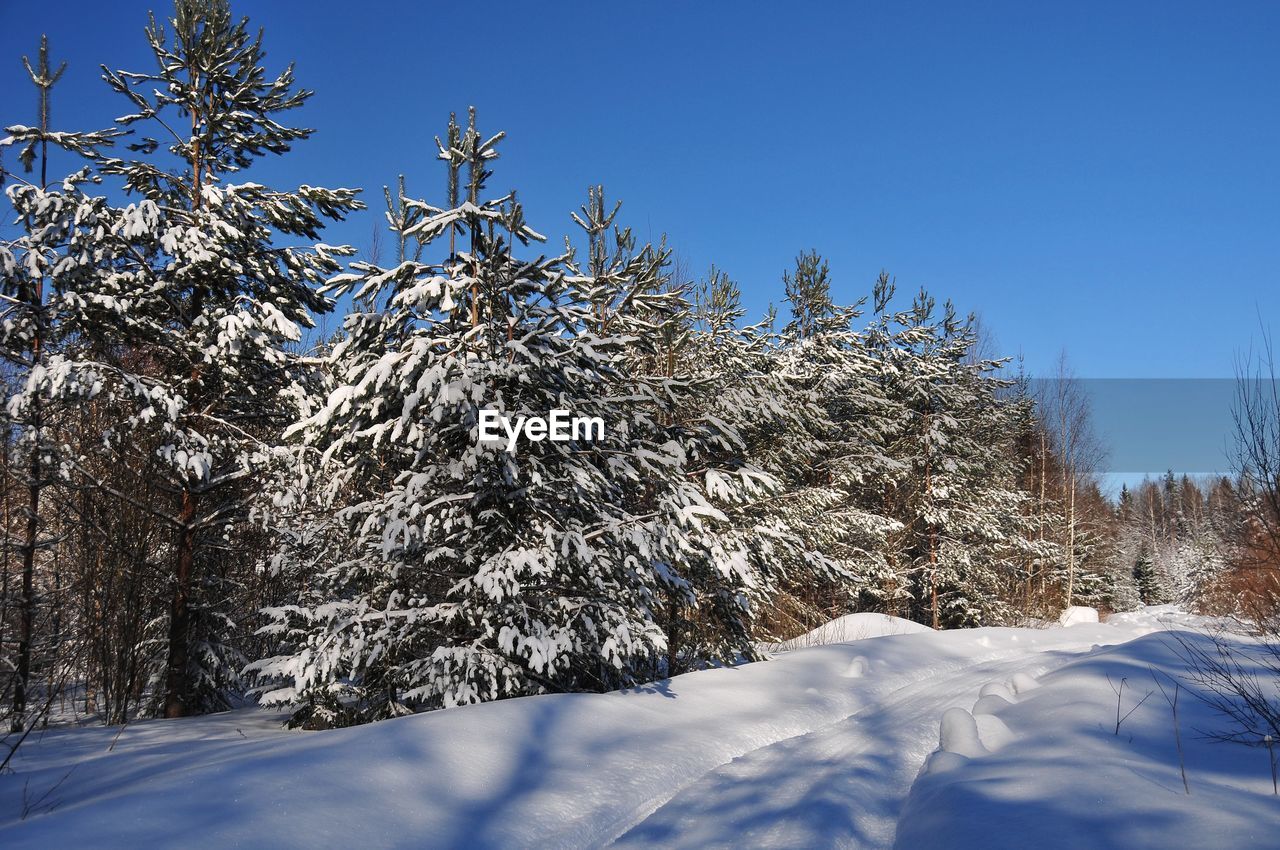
(1067, 417)
(1256, 418)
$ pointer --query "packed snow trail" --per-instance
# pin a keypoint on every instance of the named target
(844, 785)
(841, 786)
(816, 747)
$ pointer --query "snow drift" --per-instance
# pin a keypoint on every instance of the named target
(817, 747)
(1060, 776)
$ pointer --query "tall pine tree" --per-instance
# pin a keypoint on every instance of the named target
(201, 305)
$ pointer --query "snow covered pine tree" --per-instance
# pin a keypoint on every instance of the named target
(710, 405)
(192, 308)
(45, 273)
(964, 530)
(835, 494)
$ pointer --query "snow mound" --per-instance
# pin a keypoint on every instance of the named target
(992, 732)
(1021, 683)
(857, 668)
(998, 689)
(1078, 615)
(990, 704)
(958, 733)
(851, 627)
(942, 761)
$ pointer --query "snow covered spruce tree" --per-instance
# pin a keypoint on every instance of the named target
(709, 389)
(965, 532)
(835, 493)
(632, 297)
(194, 308)
(483, 569)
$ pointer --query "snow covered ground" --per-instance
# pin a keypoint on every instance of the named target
(829, 745)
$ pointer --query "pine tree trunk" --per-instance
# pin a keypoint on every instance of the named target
(1151, 511)
(4, 577)
(30, 537)
(934, 589)
(176, 685)
(23, 674)
(673, 635)
(930, 533)
(1044, 472)
(55, 643)
(92, 566)
(1071, 539)
(176, 673)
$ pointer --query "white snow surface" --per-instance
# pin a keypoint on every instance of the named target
(1056, 774)
(828, 746)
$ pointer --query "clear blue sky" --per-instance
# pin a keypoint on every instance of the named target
(1100, 176)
